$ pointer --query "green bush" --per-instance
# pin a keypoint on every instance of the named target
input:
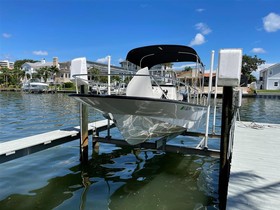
(68, 85)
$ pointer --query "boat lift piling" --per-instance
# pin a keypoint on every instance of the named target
(229, 67)
(84, 128)
(225, 154)
(79, 66)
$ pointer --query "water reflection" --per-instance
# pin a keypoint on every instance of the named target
(260, 110)
(125, 179)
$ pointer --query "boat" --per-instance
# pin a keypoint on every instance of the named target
(156, 104)
(35, 86)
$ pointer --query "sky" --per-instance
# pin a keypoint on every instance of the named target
(68, 29)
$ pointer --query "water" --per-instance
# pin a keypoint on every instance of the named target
(260, 110)
(115, 178)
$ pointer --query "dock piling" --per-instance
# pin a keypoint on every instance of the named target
(227, 114)
(84, 129)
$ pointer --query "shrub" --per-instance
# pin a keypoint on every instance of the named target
(68, 84)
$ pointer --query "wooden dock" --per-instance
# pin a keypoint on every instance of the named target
(17, 148)
(254, 181)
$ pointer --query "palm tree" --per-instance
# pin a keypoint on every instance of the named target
(53, 70)
(39, 74)
(44, 72)
(17, 76)
(5, 72)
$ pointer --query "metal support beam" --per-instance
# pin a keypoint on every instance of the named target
(167, 147)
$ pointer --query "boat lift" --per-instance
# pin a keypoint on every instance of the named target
(228, 72)
(227, 57)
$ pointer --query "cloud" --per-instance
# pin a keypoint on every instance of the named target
(203, 28)
(40, 52)
(198, 40)
(199, 37)
(258, 50)
(271, 22)
(200, 10)
(6, 35)
(102, 60)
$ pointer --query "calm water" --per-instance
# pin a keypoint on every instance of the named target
(115, 178)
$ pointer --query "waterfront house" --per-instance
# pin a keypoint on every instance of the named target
(270, 77)
(30, 68)
(6, 64)
(61, 77)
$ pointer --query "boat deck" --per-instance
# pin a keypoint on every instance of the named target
(255, 178)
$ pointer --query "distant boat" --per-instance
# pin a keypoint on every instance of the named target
(156, 104)
(35, 87)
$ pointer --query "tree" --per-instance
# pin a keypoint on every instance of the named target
(94, 74)
(5, 75)
(44, 73)
(16, 76)
(250, 64)
(53, 70)
(188, 68)
(19, 63)
(41, 73)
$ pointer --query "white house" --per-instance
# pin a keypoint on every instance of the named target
(270, 77)
(6, 63)
(31, 68)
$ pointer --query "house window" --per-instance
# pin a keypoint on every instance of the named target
(270, 72)
(276, 84)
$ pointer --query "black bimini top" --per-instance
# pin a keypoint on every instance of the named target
(149, 56)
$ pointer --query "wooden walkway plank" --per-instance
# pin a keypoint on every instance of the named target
(255, 168)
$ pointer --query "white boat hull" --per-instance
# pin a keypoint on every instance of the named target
(140, 119)
(35, 87)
